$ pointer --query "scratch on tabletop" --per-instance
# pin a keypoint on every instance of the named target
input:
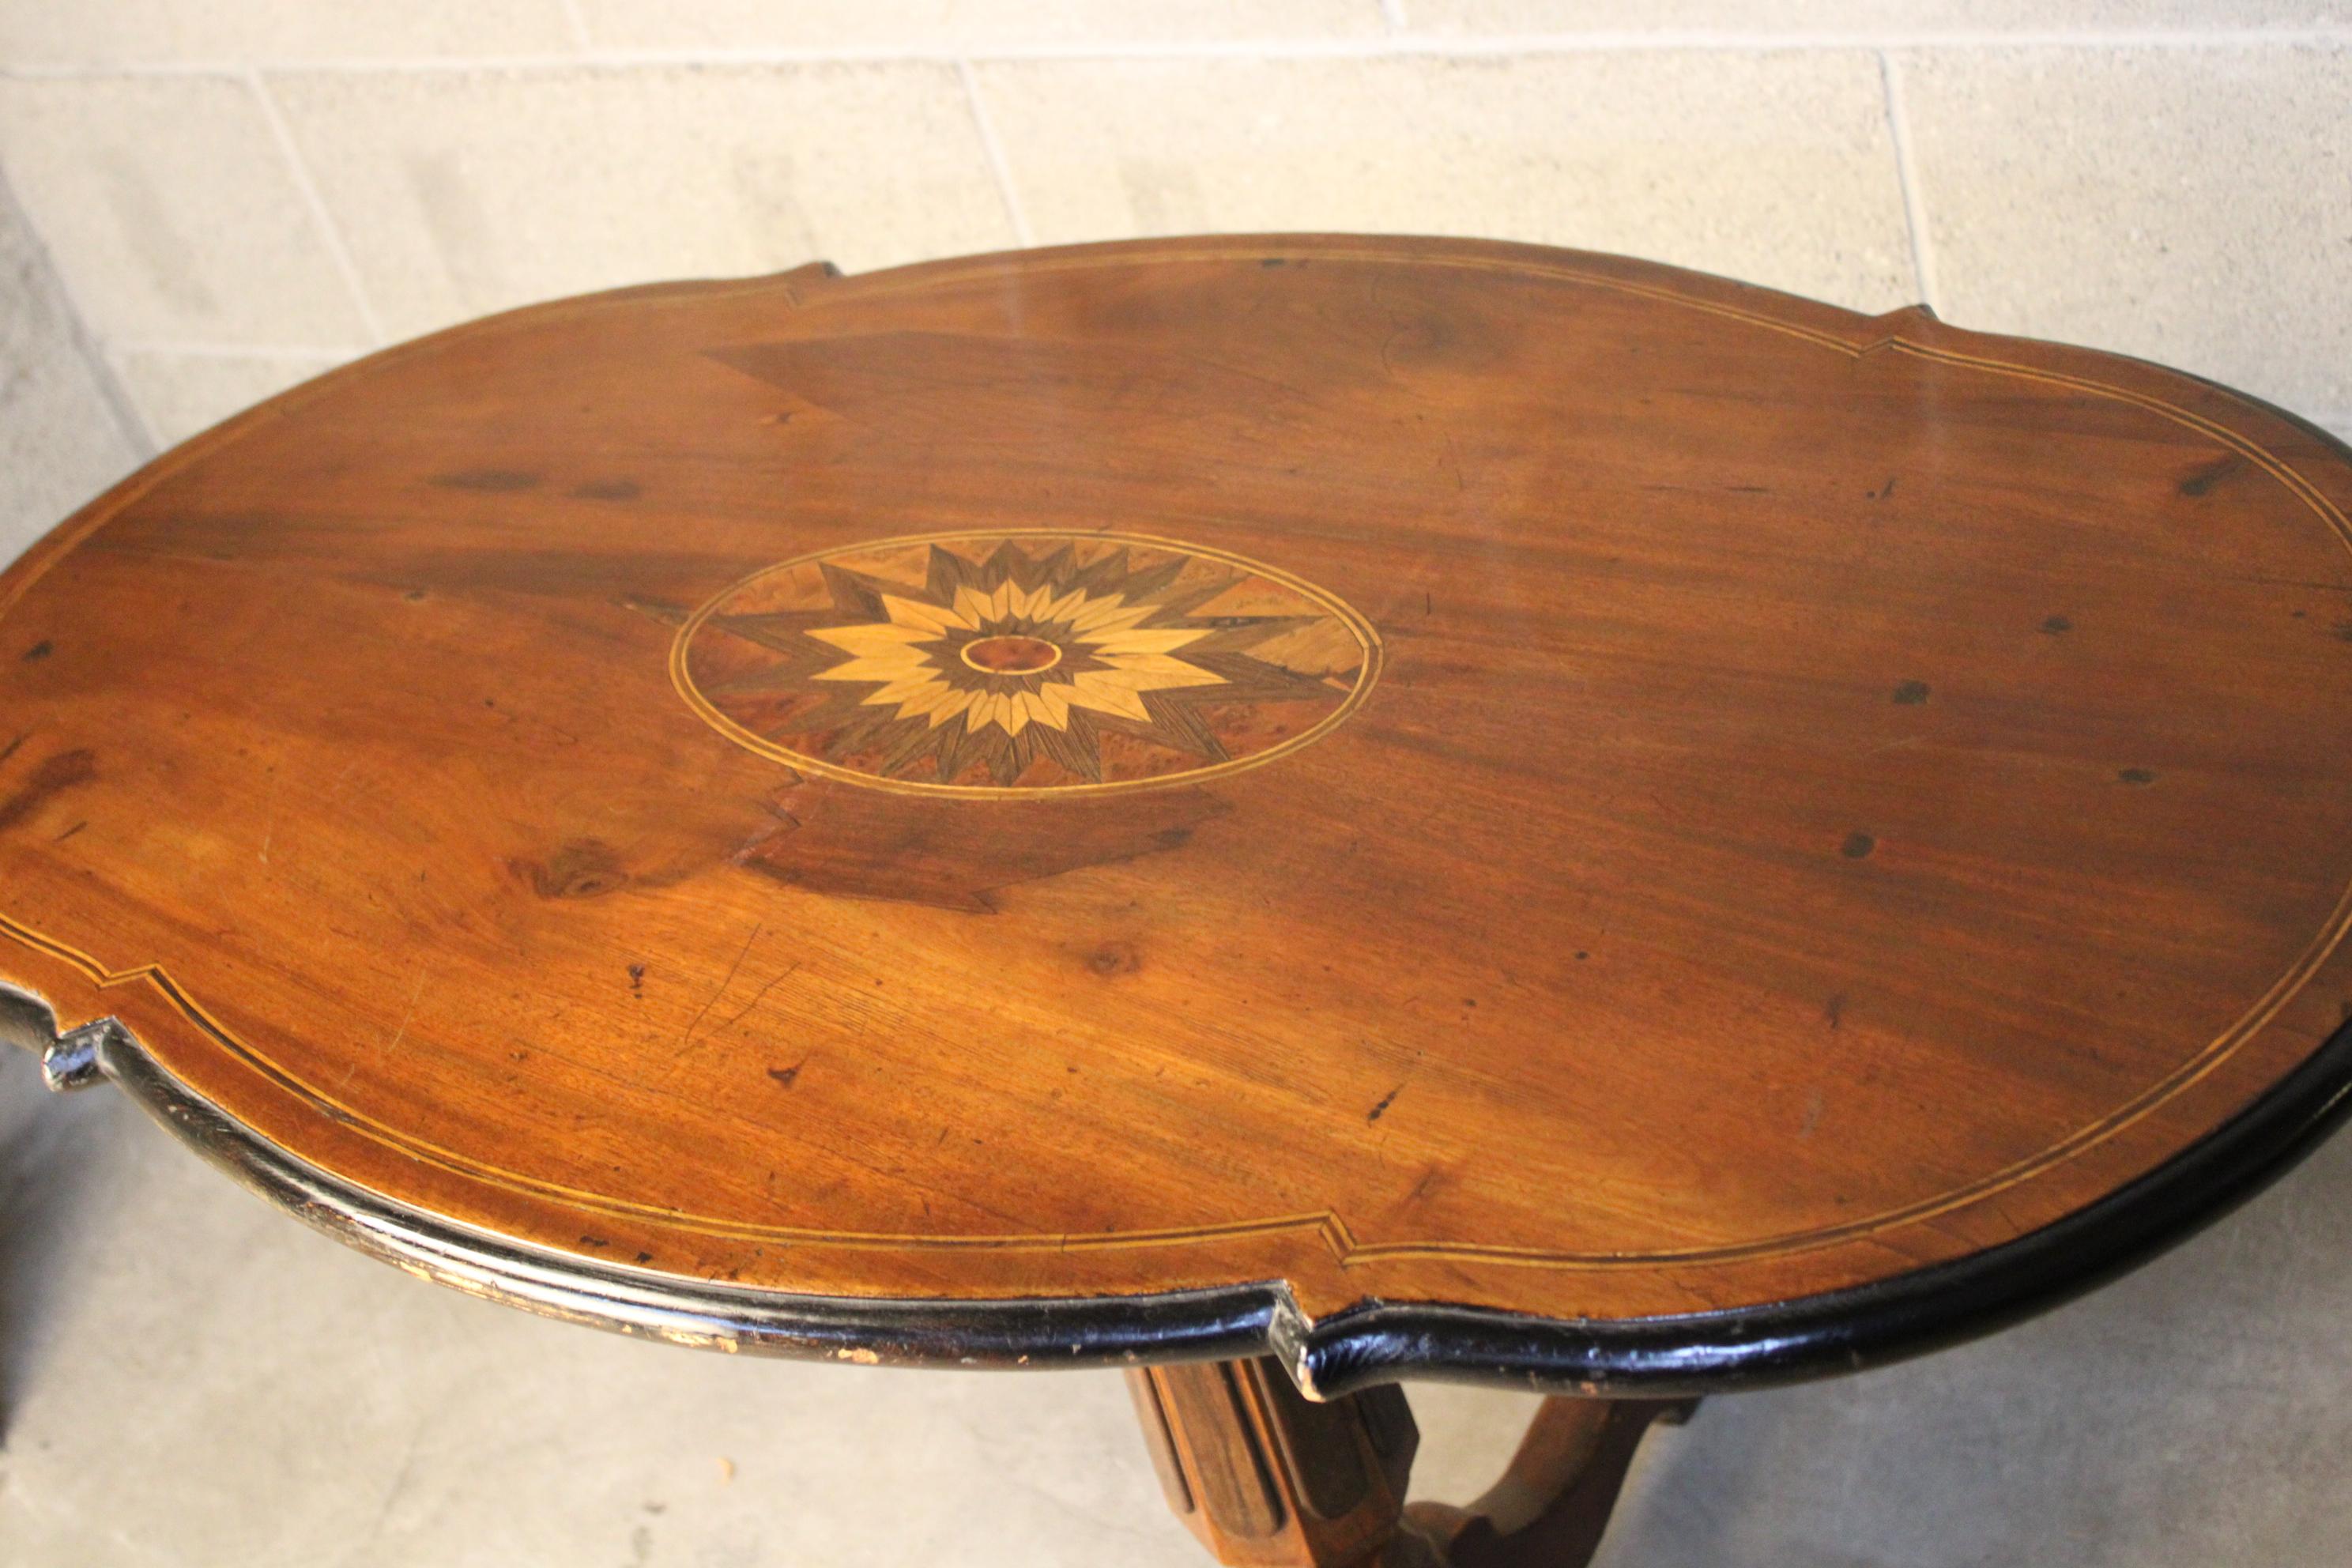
(269, 817)
(762, 997)
(688, 1039)
(398, 1035)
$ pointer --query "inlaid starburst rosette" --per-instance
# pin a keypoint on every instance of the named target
(1023, 663)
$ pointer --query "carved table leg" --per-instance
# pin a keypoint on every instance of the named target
(1268, 1480)
(1265, 1477)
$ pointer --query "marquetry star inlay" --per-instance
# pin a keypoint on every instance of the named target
(1027, 662)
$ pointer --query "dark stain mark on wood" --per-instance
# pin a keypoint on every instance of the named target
(2137, 777)
(2342, 631)
(38, 651)
(495, 482)
(648, 1258)
(886, 383)
(864, 844)
(1911, 693)
(582, 868)
(786, 1076)
(2211, 473)
(1386, 1099)
(636, 977)
(415, 595)
(70, 832)
(12, 746)
(1857, 845)
(1581, 955)
(1883, 491)
(2057, 626)
(1833, 1012)
(53, 777)
(593, 1241)
(1114, 958)
(608, 490)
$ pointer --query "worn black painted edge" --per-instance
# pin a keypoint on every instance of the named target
(1375, 1342)
(1925, 1309)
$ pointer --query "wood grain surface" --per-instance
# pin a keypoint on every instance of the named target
(1427, 770)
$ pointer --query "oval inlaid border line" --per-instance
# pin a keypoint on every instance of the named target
(1338, 609)
(1475, 257)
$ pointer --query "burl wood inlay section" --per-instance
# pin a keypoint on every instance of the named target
(1024, 664)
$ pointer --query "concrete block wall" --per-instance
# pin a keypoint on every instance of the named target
(239, 193)
(66, 431)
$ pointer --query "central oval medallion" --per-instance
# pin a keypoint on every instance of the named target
(1024, 662)
(1011, 654)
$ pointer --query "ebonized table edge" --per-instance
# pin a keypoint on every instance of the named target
(1361, 1346)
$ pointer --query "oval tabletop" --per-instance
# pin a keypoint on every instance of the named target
(1435, 805)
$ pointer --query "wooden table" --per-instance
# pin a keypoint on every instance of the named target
(1289, 812)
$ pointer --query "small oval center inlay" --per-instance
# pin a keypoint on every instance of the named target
(1011, 654)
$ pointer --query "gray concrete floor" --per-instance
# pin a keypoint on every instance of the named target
(194, 1379)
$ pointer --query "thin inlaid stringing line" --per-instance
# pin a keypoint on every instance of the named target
(476, 1170)
(2295, 482)
(884, 283)
(1367, 638)
(2266, 1007)
(1332, 1229)
(1328, 1226)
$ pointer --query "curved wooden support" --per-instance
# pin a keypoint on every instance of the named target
(1553, 1503)
(1266, 1479)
